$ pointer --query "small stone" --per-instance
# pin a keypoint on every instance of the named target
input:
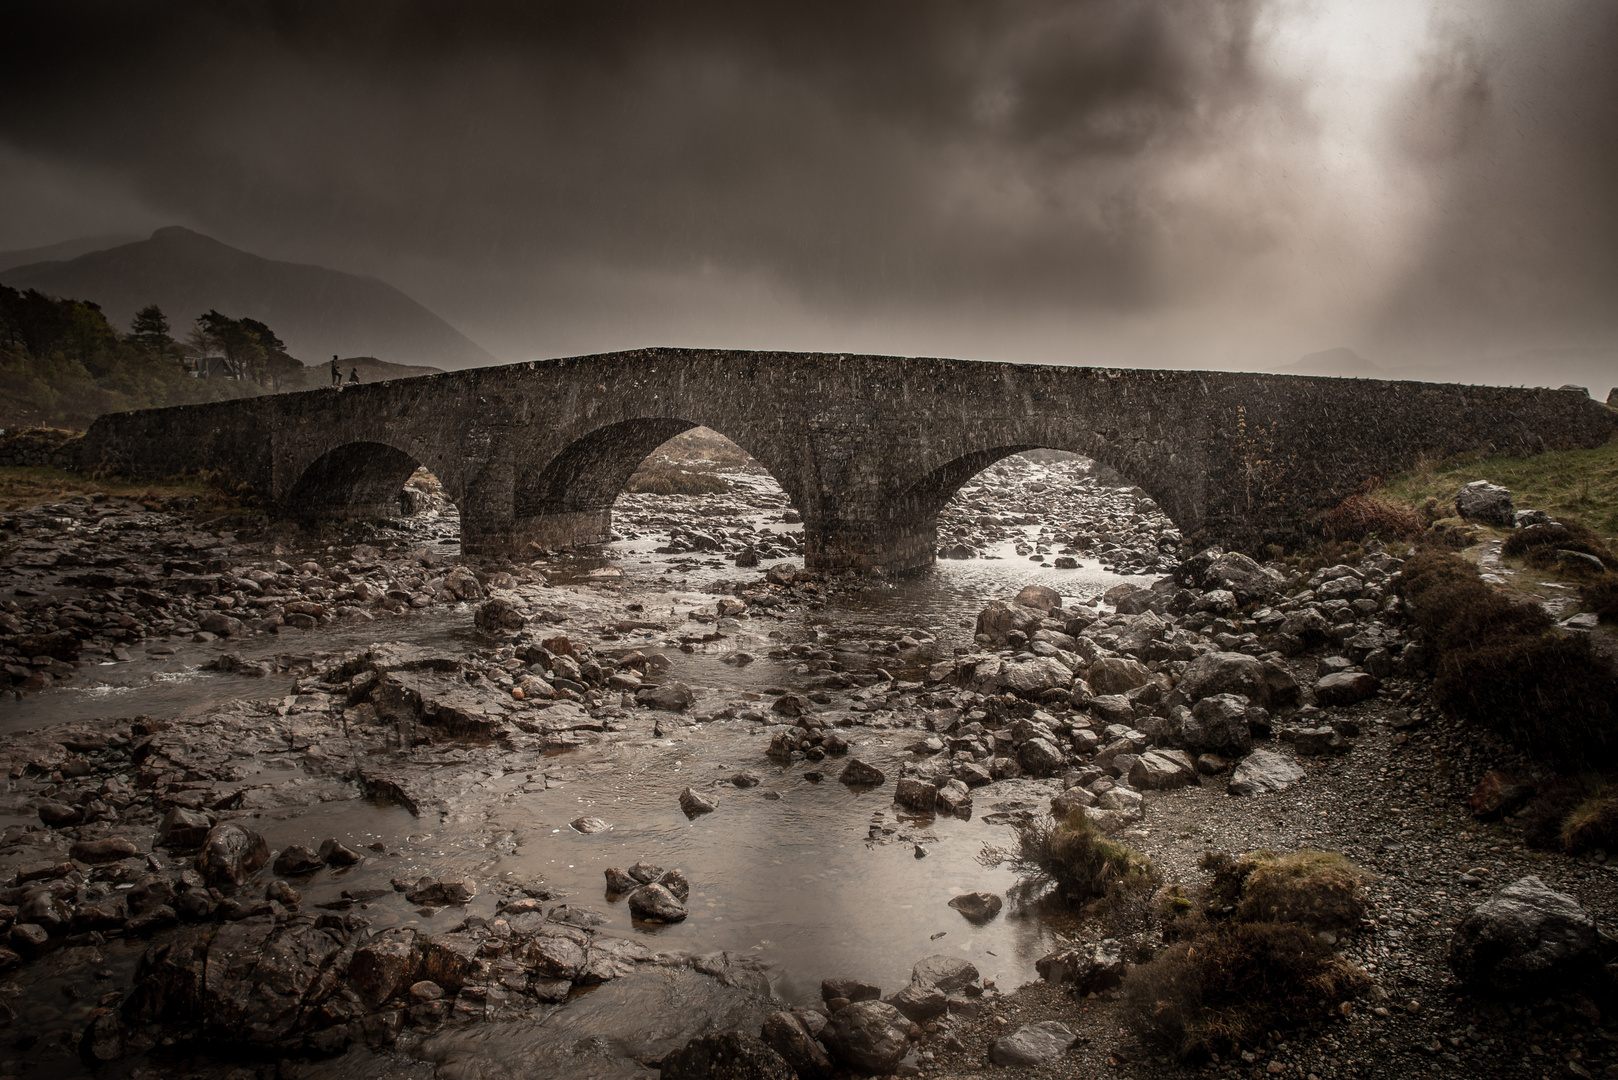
(654, 903)
(859, 774)
(695, 804)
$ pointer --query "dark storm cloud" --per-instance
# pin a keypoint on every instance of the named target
(855, 152)
(1516, 120)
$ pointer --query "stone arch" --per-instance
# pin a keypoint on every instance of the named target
(923, 499)
(567, 499)
(354, 479)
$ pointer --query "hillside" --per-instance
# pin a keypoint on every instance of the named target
(317, 312)
(67, 249)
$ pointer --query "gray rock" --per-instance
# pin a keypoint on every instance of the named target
(1117, 675)
(654, 903)
(916, 794)
(1485, 502)
(731, 1055)
(1040, 757)
(296, 860)
(859, 774)
(920, 1003)
(791, 1038)
(1091, 967)
(694, 803)
(848, 990)
(871, 1036)
(1262, 772)
(1159, 770)
(1225, 673)
(1033, 1044)
(230, 855)
(979, 907)
(1346, 688)
(1527, 936)
(1218, 725)
(674, 696)
(948, 973)
(1243, 577)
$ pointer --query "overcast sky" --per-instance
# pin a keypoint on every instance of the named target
(1193, 183)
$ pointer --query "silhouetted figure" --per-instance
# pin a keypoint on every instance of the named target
(353, 375)
(336, 373)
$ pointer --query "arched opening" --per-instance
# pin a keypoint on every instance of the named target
(1051, 507)
(366, 480)
(569, 500)
(702, 496)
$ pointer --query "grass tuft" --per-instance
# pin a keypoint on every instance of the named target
(1075, 857)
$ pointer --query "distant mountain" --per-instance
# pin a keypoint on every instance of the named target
(1341, 362)
(317, 312)
(67, 249)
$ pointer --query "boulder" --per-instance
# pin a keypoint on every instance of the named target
(1262, 772)
(916, 794)
(1485, 502)
(978, 907)
(730, 1055)
(1218, 725)
(499, 615)
(1040, 757)
(106, 850)
(871, 1036)
(948, 973)
(1225, 673)
(441, 892)
(655, 903)
(859, 774)
(1090, 968)
(673, 697)
(694, 803)
(848, 990)
(1346, 688)
(296, 860)
(385, 965)
(1039, 597)
(1031, 678)
(1244, 578)
(183, 830)
(1032, 1044)
(1526, 937)
(998, 619)
(920, 1003)
(230, 855)
(1159, 770)
(791, 1038)
(1117, 675)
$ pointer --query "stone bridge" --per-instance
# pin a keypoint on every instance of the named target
(868, 448)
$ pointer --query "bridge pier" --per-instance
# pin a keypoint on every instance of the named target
(860, 548)
(551, 532)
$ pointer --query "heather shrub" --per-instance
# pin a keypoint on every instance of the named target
(1593, 823)
(1360, 516)
(1538, 544)
(1226, 989)
(1320, 889)
(1601, 597)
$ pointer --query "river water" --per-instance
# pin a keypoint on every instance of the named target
(813, 879)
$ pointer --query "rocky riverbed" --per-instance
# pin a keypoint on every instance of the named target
(351, 804)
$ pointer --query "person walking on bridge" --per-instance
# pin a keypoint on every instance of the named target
(336, 373)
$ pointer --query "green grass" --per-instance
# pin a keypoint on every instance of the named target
(1579, 485)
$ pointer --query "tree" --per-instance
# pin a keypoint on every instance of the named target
(150, 331)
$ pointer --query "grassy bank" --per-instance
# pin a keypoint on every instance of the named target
(1581, 485)
(21, 486)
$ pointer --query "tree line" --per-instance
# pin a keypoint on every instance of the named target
(62, 362)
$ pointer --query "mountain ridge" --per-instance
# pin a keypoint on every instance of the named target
(317, 311)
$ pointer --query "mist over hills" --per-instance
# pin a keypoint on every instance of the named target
(316, 311)
(67, 249)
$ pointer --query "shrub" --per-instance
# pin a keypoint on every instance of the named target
(1538, 544)
(1075, 857)
(1321, 889)
(1360, 516)
(1593, 823)
(1224, 990)
(1501, 665)
(1601, 597)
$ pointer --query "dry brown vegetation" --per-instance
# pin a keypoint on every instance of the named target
(1247, 959)
(1500, 664)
